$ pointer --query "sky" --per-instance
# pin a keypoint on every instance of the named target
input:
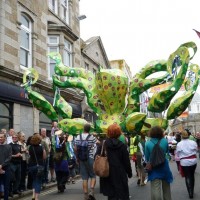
(140, 31)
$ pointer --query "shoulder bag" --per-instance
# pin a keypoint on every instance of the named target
(101, 165)
(40, 168)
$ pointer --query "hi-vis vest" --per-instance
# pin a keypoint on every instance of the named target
(132, 148)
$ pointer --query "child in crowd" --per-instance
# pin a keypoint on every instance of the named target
(72, 173)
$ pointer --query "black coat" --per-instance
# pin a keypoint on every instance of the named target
(116, 185)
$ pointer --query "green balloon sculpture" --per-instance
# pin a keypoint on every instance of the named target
(107, 91)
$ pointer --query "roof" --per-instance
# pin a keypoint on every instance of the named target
(86, 45)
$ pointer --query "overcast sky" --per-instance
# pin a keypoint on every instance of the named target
(140, 31)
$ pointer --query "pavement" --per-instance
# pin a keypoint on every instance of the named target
(28, 192)
(74, 191)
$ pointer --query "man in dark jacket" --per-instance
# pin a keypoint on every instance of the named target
(15, 165)
(5, 157)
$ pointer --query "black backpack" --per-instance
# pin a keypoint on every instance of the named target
(82, 148)
(157, 157)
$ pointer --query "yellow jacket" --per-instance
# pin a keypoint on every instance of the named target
(132, 148)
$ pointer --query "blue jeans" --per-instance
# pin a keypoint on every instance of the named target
(37, 180)
(46, 170)
(5, 181)
(16, 176)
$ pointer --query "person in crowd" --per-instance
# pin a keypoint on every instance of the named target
(37, 156)
(86, 167)
(115, 186)
(60, 160)
(140, 158)
(198, 143)
(132, 152)
(191, 136)
(186, 151)
(71, 158)
(5, 157)
(9, 136)
(15, 165)
(177, 159)
(3, 131)
(123, 139)
(29, 176)
(170, 138)
(54, 128)
(47, 144)
(24, 152)
(160, 177)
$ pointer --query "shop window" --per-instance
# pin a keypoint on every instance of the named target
(6, 115)
(45, 122)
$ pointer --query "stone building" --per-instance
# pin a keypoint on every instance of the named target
(122, 65)
(29, 29)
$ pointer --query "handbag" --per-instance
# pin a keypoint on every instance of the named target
(101, 165)
(40, 168)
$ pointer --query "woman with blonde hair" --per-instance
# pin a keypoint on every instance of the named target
(37, 157)
(186, 150)
(115, 186)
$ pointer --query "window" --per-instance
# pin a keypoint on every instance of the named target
(6, 115)
(189, 107)
(86, 66)
(88, 117)
(64, 10)
(53, 42)
(67, 57)
(45, 122)
(94, 71)
(25, 42)
(53, 6)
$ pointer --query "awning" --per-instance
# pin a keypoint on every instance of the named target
(13, 93)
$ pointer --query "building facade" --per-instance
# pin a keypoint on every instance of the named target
(29, 29)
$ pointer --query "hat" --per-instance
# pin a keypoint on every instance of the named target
(58, 132)
(184, 134)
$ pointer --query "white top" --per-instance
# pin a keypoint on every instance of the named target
(186, 148)
(170, 138)
(9, 139)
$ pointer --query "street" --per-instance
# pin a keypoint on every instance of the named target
(74, 191)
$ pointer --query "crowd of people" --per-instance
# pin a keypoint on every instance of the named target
(181, 147)
(61, 157)
(22, 157)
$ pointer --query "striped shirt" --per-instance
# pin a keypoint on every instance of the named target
(91, 142)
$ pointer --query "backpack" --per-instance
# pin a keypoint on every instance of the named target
(82, 148)
(157, 157)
